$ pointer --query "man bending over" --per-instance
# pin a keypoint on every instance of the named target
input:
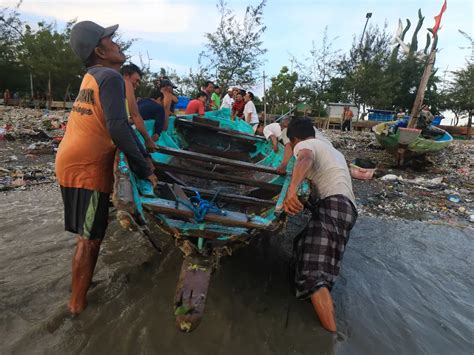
(320, 247)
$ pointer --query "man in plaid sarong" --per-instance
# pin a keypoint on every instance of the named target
(320, 247)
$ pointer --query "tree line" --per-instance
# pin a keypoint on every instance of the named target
(375, 72)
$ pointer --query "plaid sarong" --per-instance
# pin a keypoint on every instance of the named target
(319, 248)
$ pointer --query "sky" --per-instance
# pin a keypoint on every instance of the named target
(171, 32)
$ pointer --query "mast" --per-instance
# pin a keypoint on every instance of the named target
(420, 93)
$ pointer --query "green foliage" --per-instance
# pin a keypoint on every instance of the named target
(234, 51)
(364, 69)
(282, 93)
(316, 73)
(44, 53)
(460, 93)
(371, 74)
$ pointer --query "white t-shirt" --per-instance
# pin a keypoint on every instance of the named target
(250, 108)
(273, 129)
(329, 172)
(318, 135)
(227, 102)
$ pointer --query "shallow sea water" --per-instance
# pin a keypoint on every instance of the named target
(405, 288)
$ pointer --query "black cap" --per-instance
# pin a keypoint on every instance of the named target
(86, 35)
(165, 82)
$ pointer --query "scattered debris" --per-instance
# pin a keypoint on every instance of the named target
(418, 191)
(455, 199)
(40, 148)
(20, 123)
(391, 177)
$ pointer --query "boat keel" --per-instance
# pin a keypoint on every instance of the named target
(191, 292)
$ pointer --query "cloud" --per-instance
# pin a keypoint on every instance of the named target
(140, 18)
(156, 64)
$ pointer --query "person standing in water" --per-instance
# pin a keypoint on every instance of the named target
(97, 126)
(320, 247)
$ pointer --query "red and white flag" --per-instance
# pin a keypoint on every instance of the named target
(438, 18)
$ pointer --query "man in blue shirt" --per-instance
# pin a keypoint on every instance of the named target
(152, 109)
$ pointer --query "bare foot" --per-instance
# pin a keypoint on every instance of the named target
(76, 308)
(324, 307)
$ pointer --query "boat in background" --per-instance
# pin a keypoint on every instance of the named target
(420, 144)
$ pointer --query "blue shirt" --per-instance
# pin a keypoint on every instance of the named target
(151, 110)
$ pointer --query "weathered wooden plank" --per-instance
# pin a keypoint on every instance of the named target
(218, 160)
(229, 132)
(228, 154)
(211, 231)
(205, 121)
(226, 197)
(234, 219)
(122, 196)
(223, 197)
(217, 176)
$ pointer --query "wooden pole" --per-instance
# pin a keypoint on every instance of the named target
(49, 91)
(420, 94)
(469, 124)
(264, 101)
(31, 86)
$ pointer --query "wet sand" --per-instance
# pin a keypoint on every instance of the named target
(405, 288)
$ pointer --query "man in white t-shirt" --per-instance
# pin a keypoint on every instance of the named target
(289, 150)
(273, 132)
(320, 247)
(227, 100)
(250, 112)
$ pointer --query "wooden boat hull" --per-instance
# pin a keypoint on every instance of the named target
(419, 146)
(214, 163)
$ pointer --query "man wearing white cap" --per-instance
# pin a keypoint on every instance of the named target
(227, 100)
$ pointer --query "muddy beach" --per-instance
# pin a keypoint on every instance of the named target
(405, 288)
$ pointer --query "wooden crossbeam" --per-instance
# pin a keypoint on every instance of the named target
(229, 132)
(234, 219)
(218, 160)
(226, 197)
(217, 176)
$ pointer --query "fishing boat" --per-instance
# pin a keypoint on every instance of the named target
(418, 144)
(410, 140)
(218, 190)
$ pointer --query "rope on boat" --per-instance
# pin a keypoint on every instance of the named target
(201, 207)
